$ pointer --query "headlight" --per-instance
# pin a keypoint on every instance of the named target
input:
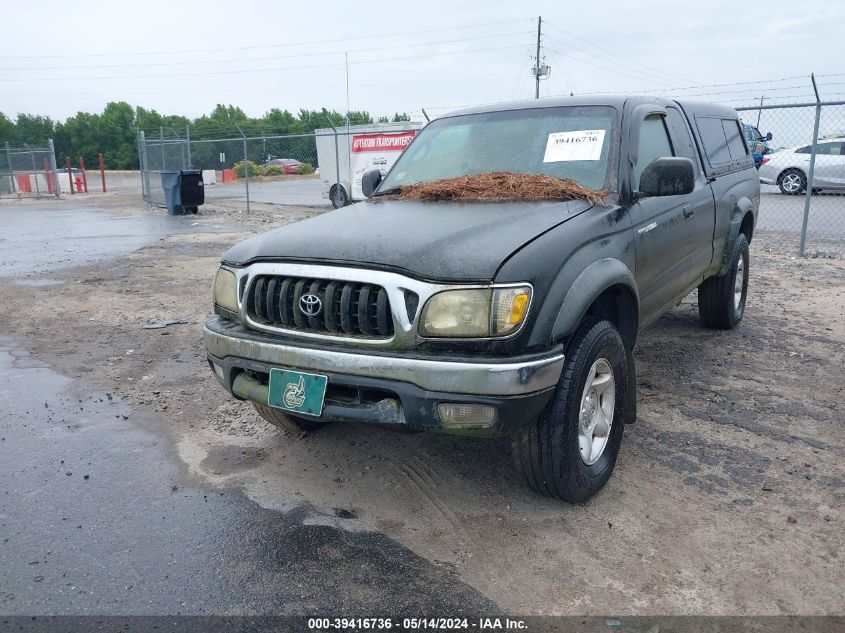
(226, 290)
(477, 313)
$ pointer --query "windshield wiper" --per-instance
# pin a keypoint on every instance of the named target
(387, 192)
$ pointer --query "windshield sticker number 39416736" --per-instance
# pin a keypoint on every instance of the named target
(578, 145)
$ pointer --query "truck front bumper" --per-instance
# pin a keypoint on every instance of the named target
(396, 387)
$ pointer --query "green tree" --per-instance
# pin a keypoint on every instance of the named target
(116, 137)
(31, 128)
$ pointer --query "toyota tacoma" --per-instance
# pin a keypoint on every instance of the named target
(483, 311)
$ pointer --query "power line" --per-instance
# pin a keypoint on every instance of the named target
(263, 46)
(273, 57)
(622, 68)
(261, 70)
(623, 72)
(722, 85)
(650, 69)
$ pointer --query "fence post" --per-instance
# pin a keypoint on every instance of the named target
(34, 170)
(188, 144)
(811, 171)
(69, 174)
(103, 172)
(11, 169)
(246, 167)
(142, 161)
(336, 156)
(84, 175)
(57, 188)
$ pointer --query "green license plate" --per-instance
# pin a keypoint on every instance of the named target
(296, 391)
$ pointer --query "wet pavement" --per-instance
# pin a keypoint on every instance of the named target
(42, 236)
(98, 515)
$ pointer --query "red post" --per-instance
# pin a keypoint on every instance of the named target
(84, 176)
(69, 174)
(102, 171)
(48, 176)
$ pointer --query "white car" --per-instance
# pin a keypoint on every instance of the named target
(788, 168)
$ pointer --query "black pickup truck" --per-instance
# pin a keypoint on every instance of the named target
(509, 318)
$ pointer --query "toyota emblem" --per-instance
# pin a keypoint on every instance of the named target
(310, 305)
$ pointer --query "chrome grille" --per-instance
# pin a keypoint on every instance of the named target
(347, 308)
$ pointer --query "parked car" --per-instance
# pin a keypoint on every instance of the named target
(788, 169)
(758, 144)
(487, 317)
(290, 165)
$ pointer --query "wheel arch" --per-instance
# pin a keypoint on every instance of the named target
(747, 225)
(604, 290)
(742, 221)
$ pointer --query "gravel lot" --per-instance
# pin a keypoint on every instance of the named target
(727, 497)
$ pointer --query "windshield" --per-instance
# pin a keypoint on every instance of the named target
(752, 133)
(566, 142)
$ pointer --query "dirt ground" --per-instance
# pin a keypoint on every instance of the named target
(727, 497)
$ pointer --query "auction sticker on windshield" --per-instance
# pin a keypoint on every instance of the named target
(578, 145)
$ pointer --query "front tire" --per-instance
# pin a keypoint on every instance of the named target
(721, 300)
(293, 424)
(569, 452)
(792, 182)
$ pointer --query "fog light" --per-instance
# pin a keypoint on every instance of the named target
(467, 414)
(218, 370)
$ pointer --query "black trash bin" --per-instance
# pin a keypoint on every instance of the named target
(183, 191)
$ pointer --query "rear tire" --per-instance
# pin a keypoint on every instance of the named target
(792, 182)
(293, 424)
(721, 300)
(570, 450)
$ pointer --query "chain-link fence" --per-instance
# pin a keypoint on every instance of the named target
(322, 168)
(802, 171)
(29, 171)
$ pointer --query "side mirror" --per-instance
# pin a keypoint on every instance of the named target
(370, 182)
(769, 136)
(667, 177)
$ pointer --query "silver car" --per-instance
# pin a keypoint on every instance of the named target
(788, 168)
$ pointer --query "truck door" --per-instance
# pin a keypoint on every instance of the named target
(673, 234)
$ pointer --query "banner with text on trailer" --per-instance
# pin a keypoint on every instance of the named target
(375, 151)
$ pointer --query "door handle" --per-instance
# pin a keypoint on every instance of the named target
(688, 211)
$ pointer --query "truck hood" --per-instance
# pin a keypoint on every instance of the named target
(438, 241)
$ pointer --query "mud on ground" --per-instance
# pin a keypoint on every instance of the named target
(727, 497)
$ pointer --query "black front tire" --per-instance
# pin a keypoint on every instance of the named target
(721, 300)
(547, 450)
(291, 423)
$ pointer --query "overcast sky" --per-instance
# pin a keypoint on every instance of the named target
(183, 57)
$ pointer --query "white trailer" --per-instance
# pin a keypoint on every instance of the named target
(345, 154)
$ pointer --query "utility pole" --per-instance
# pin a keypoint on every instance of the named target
(540, 70)
(537, 60)
(760, 111)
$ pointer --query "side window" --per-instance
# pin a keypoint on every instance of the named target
(681, 139)
(822, 149)
(736, 145)
(714, 139)
(654, 143)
